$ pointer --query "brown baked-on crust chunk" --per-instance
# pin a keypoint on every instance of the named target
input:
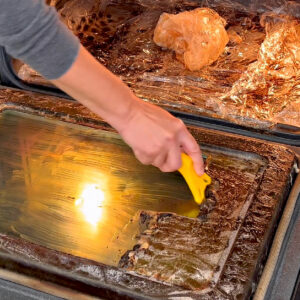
(198, 37)
(164, 251)
(191, 253)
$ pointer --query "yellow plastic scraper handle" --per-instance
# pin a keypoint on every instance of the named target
(196, 183)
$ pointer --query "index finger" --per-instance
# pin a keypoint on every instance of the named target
(191, 148)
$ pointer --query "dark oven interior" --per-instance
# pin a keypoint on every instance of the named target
(254, 82)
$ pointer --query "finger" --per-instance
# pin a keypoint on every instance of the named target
(160, 160)
(173, 161)
(143, 158)
(191, 147)
(198, 162)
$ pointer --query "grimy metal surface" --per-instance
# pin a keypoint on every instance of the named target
(252, 179)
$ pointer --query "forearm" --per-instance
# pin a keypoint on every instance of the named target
(98, 89)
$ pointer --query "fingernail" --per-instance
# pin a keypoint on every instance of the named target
(200, 172)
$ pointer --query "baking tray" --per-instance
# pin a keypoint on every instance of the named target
(258, 216)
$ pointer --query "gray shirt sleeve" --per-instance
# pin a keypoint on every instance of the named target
(32, 32)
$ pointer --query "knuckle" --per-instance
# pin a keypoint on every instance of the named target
(195, 148)
(173, 167)
(169, 138)
(145, 162)
(179, 124)
(144, 159)
(176, 165)
(152, 151)
(164, 169)
(148, 152)
(155, 164)
(137, 154)
(169, 168)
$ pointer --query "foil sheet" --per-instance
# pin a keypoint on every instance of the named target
(120, 35)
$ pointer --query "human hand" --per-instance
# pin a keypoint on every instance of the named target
(157, 138)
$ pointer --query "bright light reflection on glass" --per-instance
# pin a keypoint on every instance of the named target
(90, 203)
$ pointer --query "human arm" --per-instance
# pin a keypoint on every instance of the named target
(155, 136)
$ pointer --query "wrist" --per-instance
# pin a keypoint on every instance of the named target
(124, 113)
